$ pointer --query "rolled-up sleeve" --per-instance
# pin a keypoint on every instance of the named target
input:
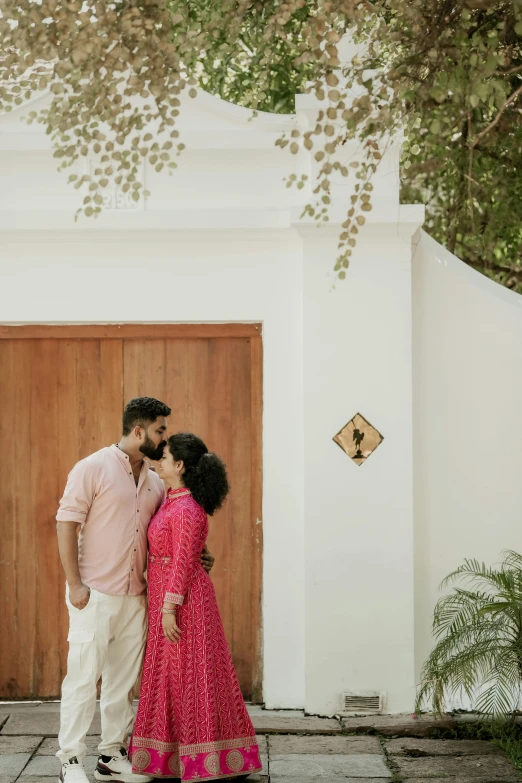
(79, 493)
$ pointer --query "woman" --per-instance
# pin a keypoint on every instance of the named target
(192, 722)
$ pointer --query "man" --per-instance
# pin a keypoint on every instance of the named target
(111, 497)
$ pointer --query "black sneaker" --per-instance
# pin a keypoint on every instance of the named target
(119, 768)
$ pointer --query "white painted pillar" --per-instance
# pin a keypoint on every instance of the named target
(359, 519)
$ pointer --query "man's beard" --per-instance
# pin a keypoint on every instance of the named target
(151, 451)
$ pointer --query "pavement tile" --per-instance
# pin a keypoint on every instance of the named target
(264, 724)
(40, 779)
(400, 725)
(40, 723)
(50, 745)
(304, 766)
(292, 744)
(28, 706)
(494, 768)
(47, 766)
(13, 763)
(257, 709)
(18, 744)
(458, 779)
(335, 779)
(413, 747)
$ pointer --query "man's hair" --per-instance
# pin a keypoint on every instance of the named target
(142, 411)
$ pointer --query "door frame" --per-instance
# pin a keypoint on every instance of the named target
(254, 332)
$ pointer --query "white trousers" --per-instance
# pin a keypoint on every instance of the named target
(107, 640)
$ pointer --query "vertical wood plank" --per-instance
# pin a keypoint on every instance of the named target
(9, 685)
(45, 427)
(144, 369)
(240, 501)
(111, 367)
(68, 455)
(219, 439)
(17, 564)
(188, 386)
(256, 423)
(89, 399)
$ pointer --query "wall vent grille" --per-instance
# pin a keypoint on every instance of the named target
(363, 703)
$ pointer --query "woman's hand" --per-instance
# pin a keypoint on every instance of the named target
(170, 628)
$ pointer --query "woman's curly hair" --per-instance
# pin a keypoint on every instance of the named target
(205, 473)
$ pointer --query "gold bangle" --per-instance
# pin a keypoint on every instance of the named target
(168, 611)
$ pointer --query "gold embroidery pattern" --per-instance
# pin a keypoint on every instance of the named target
(235, 760)
(188, 750)
(174, 599)
(212, 764)
(208, 747)
(170, 497)
(196, 777)
(141, 759)
(175, 766)
(145, 742)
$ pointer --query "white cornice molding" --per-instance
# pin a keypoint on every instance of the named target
(147, 239)
(136, 221)
(191, 224)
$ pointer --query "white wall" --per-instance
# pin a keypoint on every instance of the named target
(467, 350)
(58, 278)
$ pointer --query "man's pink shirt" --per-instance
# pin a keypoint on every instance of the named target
(101, 495)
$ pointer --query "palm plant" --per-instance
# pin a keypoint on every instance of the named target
(478, 628)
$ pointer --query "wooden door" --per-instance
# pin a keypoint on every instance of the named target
(63, 389)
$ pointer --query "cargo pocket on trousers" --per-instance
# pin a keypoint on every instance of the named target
(82, 652)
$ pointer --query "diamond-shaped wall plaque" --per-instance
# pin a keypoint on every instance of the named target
(358, 439)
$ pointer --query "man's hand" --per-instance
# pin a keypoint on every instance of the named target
(79, 595)
(207, 560)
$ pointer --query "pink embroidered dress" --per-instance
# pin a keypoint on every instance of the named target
(192, 722)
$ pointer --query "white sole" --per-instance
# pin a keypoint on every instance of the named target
(118, 778)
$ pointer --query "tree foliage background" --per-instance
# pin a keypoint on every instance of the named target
(448, 72)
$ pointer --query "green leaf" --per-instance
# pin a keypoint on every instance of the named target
(438, 94)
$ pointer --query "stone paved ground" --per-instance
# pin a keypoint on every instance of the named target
(295, 749)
